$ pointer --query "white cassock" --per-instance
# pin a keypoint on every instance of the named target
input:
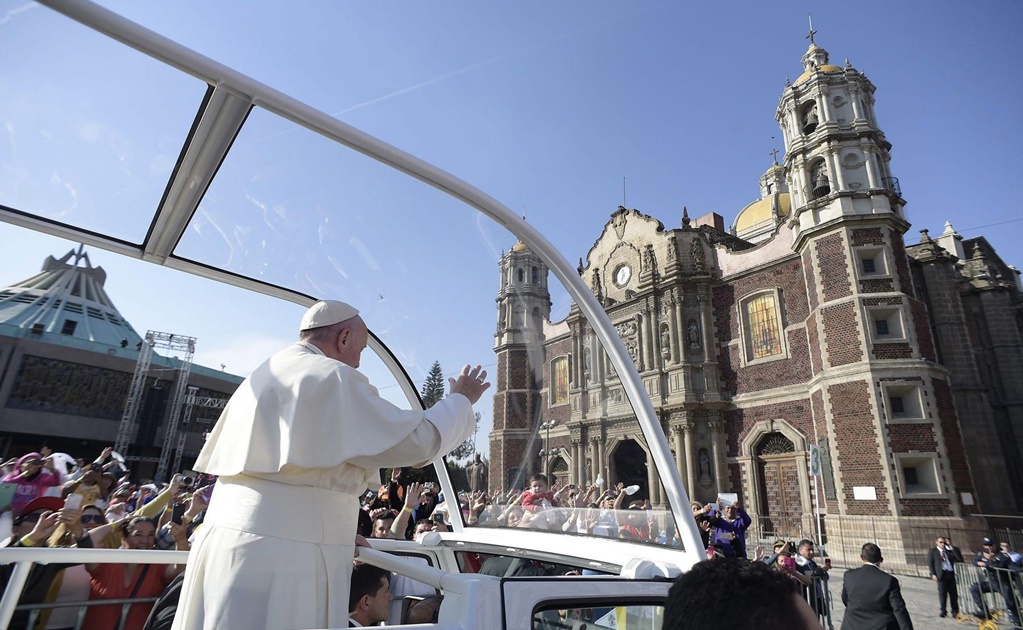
(296, 446)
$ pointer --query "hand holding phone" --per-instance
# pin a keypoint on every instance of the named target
(178, 513)
(73, 502)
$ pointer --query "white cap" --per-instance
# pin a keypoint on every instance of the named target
(326, 313)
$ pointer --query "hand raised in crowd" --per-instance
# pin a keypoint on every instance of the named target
(179, 533)
(196, 505)
(471, 383)
(395, 474)
(479, 501)
(72, 519)
(47, 522)
(375, 514)
(412, 493)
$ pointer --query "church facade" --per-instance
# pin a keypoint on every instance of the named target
(809, 322)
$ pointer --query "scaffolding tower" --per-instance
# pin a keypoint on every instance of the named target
(191, 402)
(164, 341)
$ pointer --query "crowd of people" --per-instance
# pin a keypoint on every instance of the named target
(59, 502)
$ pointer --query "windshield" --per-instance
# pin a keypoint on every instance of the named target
(248, 195)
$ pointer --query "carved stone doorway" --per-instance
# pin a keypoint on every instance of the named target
(559, 471)
(780, 497)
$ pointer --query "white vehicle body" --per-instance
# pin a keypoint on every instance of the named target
(641, 572)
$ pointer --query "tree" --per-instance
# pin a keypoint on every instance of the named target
(466, 449)
(433, 388)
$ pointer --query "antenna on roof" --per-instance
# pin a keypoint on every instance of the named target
(812, 32)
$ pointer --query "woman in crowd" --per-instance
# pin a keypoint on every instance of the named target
(130, 580)
(33, 477)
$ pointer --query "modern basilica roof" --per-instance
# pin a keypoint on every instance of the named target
(66, 298)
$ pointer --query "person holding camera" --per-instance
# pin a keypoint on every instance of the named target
(296, 446)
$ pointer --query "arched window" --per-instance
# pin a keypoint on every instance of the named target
(559, 381)
(536, 276)
(521, 275)
(761, 319)
(820, 184)
(809, 117)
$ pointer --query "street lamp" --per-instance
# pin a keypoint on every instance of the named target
(547, 452)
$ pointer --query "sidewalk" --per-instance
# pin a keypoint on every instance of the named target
(921, 595)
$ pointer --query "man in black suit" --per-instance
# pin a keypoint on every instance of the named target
(872, 598)
(941, 562)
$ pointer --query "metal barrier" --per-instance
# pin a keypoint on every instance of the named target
(24, 558)
(818, 595)
(990, 593)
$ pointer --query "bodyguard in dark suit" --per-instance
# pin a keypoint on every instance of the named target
(872, 598)
(941, 562)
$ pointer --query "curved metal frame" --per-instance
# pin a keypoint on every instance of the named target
(237, 90)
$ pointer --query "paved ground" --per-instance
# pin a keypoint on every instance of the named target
(921, 595)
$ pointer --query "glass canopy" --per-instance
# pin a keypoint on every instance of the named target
(245, 185)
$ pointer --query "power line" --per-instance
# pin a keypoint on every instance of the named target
(980, 227)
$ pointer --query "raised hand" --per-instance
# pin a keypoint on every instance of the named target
(471, 383)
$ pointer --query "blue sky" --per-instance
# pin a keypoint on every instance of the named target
(545, 106)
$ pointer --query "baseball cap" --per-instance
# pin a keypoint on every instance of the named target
(51, 504)
(326, 313)
(779, 543)
(988, 541)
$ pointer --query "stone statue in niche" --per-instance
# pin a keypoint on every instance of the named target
(699, 261)
(597, 289)
(703, 457)
(665, 342)
(672, 249)
(649, 261)
(586, 364)
(693, 334)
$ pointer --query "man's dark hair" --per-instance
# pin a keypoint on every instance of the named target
(539, 477)
(871, 553)
(804, 542)
(366, 580)
(732, 593)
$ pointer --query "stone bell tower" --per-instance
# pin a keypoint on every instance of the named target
(523, 305)
(878, 394)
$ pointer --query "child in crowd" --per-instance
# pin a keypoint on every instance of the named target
(538, 492)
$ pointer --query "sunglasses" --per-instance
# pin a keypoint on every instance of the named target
(93, 518)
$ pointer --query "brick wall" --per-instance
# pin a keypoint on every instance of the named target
(814, 341)
(867, 236)
(925, 507)
(922, 325)
(787, 276)
(903, 438)
(892, 350)
(901, 264)
(841, 334)
(857, 447)
(739, 422)
(761, 376)
(958, 467)
(811, 281)
(831, 259)
(877, 285)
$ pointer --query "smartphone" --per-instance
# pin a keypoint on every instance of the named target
(428, 485)
(73, 502)
(438, 518)
(178, 513)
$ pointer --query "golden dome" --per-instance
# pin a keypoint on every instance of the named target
(761, 212)
(809, 73)
(519, 247)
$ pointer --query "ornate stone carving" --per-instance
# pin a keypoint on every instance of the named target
(672, 250)
(629, 332)
(597, 289)
(618, 222)
(693, 334)
(699, 258)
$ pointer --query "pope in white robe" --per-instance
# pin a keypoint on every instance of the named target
(297, 444)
